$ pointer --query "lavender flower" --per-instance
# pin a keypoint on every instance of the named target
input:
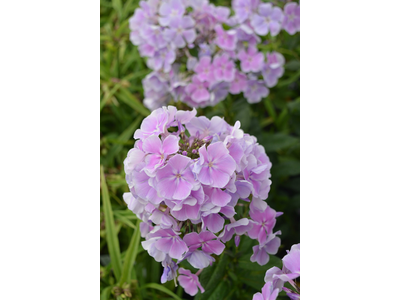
(170, 11)
(255, 91)
(291, 21)
(190, 282)
(268, 19)
(273, 69)
(186, 175)
(181, 32)
(251, 60)
(166, 32)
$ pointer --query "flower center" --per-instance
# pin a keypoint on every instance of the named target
(178, 175)
(210, 164)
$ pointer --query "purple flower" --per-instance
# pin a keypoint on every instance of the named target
(198, 90)
(206, 240)
(226, 40)
(153, 35)
(257, 173)
(155, 123)
(251, 61)
(169, 242)
(291, 21)
(205, 70)
(199, 259)
(255, 91)
(141, 186)
(162, 59)
(181, 32)
(170, 268)
(215, 165)
(291, 261)
(271, 246)
(175, 179)
(170, 11)
(244, 8)
(224, 68)
(203, 127)
(188, 208)
(239, 227)
(190, 282)
(217, 196)
(268, 19)
(263, 223)
(239, 83)
(205, 50)
(273, 69)
(268, 293)
(159, 151)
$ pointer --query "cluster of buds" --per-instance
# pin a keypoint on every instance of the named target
(186, 190)
(199, 53)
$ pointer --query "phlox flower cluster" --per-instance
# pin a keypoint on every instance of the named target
(187, 176)
(275, 278)
(199, 53)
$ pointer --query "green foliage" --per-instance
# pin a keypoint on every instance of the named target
(126, 270)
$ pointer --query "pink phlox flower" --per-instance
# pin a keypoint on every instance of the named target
(135, 204)
(205, 70)
(273, 69)
(291, 261)
(143, 186)
(268, 19)
(263, 224)
(224, 68)
(226, 40)
(153, 35)
(255, 91)
(164, 219)
(204, 127)
(198, 90)
(188, 208)
(170, 268)
(190, 282)
(162, 59)
(169, 242)
(158, 151)
(268, 293)
(181, 32)
(261, 252)
(251, 60)
(239, 83)
(170, 10)
(258, 175)
(215, 165)
(244, 8)
(175, 180)
(239, 227)
(155, 123)
(206, 240)
(291, 21)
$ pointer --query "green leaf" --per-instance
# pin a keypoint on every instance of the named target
(220, 292)
(105, 294)
(111, 234)
(287, 168)
(126, 96)
(130, 255)
(162, 289)
(277, 141)
(210, 282)
(124, 137)
(124, 220)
